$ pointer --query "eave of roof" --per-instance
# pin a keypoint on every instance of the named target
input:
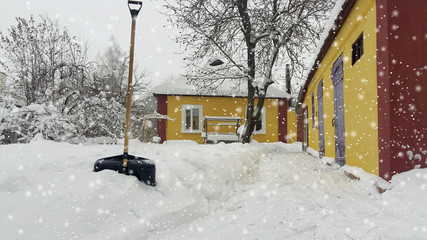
(332, 33)
(179, 87)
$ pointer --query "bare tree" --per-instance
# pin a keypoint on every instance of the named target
(112, 74)
(113, 71)
(254, 38)
(111, 80)
(40, 57)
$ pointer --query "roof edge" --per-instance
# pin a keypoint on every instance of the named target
(333, 32)
(201, 95)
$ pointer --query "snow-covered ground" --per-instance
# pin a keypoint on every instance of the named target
(224, 191)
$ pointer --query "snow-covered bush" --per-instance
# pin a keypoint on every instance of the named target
(23, 123)
(73, 116)
(3, 111)
(94, 116)
(62, 95)
(101, 117)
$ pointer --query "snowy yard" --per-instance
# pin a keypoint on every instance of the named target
(234, 191)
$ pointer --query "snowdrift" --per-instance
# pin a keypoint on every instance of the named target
(225, 191)
(48, 190)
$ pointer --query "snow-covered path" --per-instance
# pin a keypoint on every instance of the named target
(297, 197)
(234, 191)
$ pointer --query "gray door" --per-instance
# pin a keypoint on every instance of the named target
(320, 119)
(338, 121)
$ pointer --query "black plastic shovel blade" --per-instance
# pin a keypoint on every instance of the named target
(142, 168)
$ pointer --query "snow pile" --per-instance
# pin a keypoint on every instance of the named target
(408, 191)
(48, 190)
(225, 191)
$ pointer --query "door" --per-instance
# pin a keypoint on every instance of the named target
(338, 120)
(305, 130)
(320, 119)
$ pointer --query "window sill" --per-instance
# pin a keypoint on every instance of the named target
(259, 133)
(194, 131)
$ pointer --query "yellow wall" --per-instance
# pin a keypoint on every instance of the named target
(219, 106)
(313, 133)
(360, 91)
(292, 123)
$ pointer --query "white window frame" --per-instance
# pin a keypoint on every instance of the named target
(183, 118)
(263, 123)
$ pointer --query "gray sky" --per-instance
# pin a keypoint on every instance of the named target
(95, 21)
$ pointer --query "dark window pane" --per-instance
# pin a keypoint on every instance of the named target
(357, 49)
(259, 124)
(187, 119)
(195, 119)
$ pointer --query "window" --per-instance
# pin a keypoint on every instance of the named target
(357, 49)
(313, 118)
(260, 127)
(192, 118)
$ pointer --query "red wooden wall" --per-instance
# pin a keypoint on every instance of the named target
(162, 108)
(283, 123)
(402, 85)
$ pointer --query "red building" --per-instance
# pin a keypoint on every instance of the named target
(379, 50)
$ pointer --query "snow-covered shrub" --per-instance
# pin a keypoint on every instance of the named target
(72, 116)
(23, 123)
(94, 116)
(3, 111)
(100, 117)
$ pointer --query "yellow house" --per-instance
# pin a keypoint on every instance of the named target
(188, 107)
(364, 100)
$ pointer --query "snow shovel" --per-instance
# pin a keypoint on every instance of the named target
(142, 168)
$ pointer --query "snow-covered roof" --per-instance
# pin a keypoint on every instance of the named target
(329, 27)
(338, 16)
(182, 88)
